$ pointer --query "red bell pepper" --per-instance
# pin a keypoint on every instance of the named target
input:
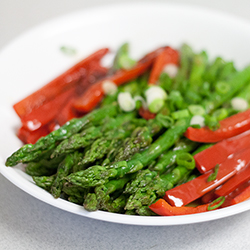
(167, 56)
(233, 183)
(92, 97)
(27, 136)
(194, 189)
(208, 197)
(230, 198)
(161, 207)
(146, 114)
(47, 112)
(58, 85)
(216, 154)
(244, 195)
(229, 127)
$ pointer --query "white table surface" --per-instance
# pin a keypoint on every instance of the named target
(27, 223)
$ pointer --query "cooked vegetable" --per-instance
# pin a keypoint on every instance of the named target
(92, 97)
(148, 138)
(58, 85)
(231, 126)
(166, 57)
(161, 207)
(192, 190)
(31, 152)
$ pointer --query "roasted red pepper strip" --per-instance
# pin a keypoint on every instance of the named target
(194, 189)
(229, 127)
(244, 195)
(161, 207)
(92, 97)
(167, 56)
(208, 197)
(47, 112)
(146, 114)
(27, 136)
(234, 182)
(219, 152)
(57, 86)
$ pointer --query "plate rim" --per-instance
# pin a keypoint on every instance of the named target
(10, 173)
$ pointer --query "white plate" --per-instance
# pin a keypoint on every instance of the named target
(35, 58)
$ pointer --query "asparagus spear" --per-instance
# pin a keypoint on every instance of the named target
(43, 167)
(186, 58)
(44, 182)
(97, 175)
(89, 135)
(31, 152)
(102, 198)
(230, 88)
(63, 170)
(147, 195)
(75, 193)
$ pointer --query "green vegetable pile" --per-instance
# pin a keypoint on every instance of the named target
(116, 161)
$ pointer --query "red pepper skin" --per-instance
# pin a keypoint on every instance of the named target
(208, 197)
(92, 97)
(244, 195)
(168, 56)
(27, 136)
(194, 189)
(233, 183)
(216, 154)
(229, 127)
(47, 112)
(146, 114)
(58, 85)
(161, 207)
(236, 193)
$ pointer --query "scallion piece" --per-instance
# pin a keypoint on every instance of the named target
(197, 120)
(185, 159)
(126, 102)
(239, 104)
(213, 176)
(165, 120)
(220, 114)
(196, 109)
(156, 105)
(222, 87)
(68, 50)
(180, 114)
(216, 203)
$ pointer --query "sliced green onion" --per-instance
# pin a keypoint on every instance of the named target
(139, 100)
(126, 102)
(212, 122)
(122, 59)
(176, 99)
(222, 87)
(165, 120)
(185, 159)
(126, 62)
(109, 87)
(68, 50)
(171, 69)
(196, 109)
(239, 104)
(213, 204)
(220, 114)
(155, 97)
(197, 120)
(213, 176)
(180, 114)
(192, 96)
(156, 105)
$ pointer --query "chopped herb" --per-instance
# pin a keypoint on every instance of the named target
(213, 176)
